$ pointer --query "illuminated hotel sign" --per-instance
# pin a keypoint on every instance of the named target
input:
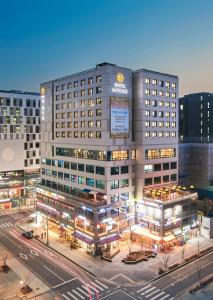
(119, 86)
(43, 91)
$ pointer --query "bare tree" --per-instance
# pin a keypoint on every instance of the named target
(4, 255)
(27, 280)
(165, 259)
(198, 245)
(182, 253)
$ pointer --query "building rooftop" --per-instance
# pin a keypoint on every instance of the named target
(169, 194)
(20, 92)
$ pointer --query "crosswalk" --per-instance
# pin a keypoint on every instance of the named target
(87, 291)
(150, 292)
(5, 225)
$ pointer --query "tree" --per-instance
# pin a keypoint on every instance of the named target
(4, 256)
(182, 253)
(165, 259)
(25, 289)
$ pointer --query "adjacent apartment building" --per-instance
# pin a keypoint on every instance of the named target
(19, 147)
(109, 157)
(196, 142)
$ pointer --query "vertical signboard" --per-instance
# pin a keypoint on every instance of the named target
(119, 117)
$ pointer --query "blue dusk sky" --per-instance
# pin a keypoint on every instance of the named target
(44, 39)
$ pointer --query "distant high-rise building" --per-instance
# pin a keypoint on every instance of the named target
(196, 118)
(19, 147)
(196, 142)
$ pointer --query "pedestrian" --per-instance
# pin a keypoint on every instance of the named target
(42, 235)
(45, 234)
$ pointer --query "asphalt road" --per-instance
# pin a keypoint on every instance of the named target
(57, 272)
(73, 283)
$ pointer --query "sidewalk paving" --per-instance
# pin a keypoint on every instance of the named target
(13, 210)
(117, 271)
(10, 281)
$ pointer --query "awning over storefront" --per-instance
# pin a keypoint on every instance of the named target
(144, 232)
(109, 239)
(83, 238)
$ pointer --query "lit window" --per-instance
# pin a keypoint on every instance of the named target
(174, 85)
(148, 168)
(173, 95)
(154, 81)
(147, 92)
(147, 80)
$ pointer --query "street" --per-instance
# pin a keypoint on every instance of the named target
(73, 283)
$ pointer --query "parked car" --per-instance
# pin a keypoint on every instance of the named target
(28, 234)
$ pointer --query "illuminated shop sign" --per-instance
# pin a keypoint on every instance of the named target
(119, 86)
(119, 117)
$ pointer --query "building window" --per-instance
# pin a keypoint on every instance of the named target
(100, 184)
(98, 101)
(157, 167)
(147, 92)
(173, 177)
(98, 89)
(75, 83)
(124, 169)
(173, 165)
(157, 180)
(90, 91)
(166, 166)
(98, 112)
(160, 153)
(166, 178)
(114, 184)
(90, 80)
(100, 170)
(148, 168)
(90, 113)
(98, 78)
(124, 183)
(114, 170)
(148, 181)
(89, 169)
(147, 80)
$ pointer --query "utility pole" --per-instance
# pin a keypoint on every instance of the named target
(47, 224)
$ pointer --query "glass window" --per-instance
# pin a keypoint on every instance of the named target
(73, 166)
(124, 169)
(124, 183)
(89, 168)
(157, 180)
(148, 181)
(114, 170)
(81, 167)
(100, 184)
(148, 168)
(157, 167)
(100, 170)
(114, 184)
(90, 182)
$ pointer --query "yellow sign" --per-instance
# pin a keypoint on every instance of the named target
(42, 91)
(120, 77)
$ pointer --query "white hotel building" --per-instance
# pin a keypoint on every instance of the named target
(19, 147)
(107, 135)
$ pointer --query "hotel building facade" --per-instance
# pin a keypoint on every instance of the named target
(108, 142)
(19, 148)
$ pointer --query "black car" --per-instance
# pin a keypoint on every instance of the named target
(28, 234)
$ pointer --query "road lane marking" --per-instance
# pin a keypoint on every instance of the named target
(88, 290)
(164, 297)
(181, 279)
(24, 256)
(82, 291)
(63, 283)
(51, 271)
(92, 287)
(71, 295)
(33, 252)
(144, 288)
(149, 290)
(67, 298)
(77, 293)
(106, 287)
(97, 286)
(153, 298)
(152, 293)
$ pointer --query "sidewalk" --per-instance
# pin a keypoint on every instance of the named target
(11, 282)
(122, 273)
(4, 212)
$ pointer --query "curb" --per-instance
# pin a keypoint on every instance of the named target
(181, 265)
